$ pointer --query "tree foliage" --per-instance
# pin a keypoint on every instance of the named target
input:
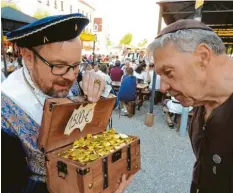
(109, 42)
(126, 39)
(39, 14)
(142, 43)
(9, 4)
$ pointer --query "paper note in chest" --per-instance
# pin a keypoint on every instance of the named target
(80, 117)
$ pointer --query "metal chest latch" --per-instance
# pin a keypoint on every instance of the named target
(105, 172)
(61, 169)
(128, 158)
(116, 156)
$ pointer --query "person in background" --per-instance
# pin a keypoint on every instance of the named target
(150, 74)
(104, 69)
(141, 57)
(140, 73)
(106, 59)
(127, 92)
(124, 56)
(126, 65)
(174, 108)
(133, 64)
(116, 72)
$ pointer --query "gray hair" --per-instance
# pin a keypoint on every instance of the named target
(187, 41)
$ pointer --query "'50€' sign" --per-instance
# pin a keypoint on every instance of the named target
(80, 117)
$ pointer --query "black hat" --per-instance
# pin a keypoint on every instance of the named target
(184, 24)
(48, 30)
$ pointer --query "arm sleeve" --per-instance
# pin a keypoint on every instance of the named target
(15, 170)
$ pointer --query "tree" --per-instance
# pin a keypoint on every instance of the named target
(9, 4)
(39, 14)
(142, 43)
(126, 39)
(109, 42)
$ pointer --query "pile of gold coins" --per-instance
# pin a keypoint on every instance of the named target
(91, 148)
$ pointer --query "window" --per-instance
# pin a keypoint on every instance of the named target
(62, 6)
(78, 11)
(83, 12)
(70, 8)
(55, 4)
(48, 2)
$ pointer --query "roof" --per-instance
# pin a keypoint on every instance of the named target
(15, 15)
(216, 14)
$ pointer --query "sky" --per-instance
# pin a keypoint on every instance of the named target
(140, 17)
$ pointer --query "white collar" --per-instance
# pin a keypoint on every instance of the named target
(39, 95)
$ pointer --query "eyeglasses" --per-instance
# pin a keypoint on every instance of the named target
(58, 69)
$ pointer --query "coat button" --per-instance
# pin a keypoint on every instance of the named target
(215, 170)
(217, 159)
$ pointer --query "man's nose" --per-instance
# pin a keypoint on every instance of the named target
(164, 87)
(70, 75)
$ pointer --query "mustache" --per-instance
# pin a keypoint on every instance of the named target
(64, 82)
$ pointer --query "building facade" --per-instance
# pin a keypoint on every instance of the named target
(54, 7)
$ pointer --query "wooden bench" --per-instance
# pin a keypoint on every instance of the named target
(131, 106)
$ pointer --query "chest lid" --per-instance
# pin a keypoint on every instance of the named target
(66, 120)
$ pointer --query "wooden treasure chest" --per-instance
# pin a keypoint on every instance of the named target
(82, 156)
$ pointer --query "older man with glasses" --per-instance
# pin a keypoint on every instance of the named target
(51, 51)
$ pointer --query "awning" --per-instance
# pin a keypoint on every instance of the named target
(15, 15)
(217, 14)
(86, 36)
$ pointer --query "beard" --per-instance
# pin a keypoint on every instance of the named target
(51, 90)
(59, 93)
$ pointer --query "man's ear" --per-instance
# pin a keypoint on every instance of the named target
(28, 57)
(204, 54)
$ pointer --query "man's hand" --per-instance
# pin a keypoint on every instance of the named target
(93, 85)
(124, 183)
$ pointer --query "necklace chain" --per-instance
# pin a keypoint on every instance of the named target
(31, 88)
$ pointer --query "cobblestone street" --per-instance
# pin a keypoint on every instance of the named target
(167, 158)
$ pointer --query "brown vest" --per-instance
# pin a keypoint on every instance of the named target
(212, 143)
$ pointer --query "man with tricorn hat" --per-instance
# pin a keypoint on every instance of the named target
(194, 68)
(51, 52)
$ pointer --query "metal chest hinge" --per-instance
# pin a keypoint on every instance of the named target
(83, 172)
(51, 105)
(129, 158)
(61, 169)
(105, 172)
